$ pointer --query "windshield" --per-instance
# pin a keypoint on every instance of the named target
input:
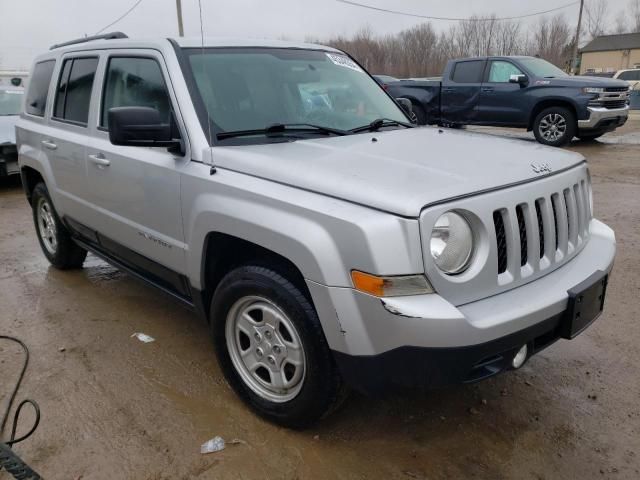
(542, 68)
(11, 102)
(254, 88)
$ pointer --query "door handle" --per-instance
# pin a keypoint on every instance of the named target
(487, 89)
(99, 160)
(49, 144)
(448, 90)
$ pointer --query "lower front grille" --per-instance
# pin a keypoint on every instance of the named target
(614, 104)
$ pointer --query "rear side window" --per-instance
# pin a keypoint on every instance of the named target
(135, 82)
(39, 88)
(468, 72)
(73, 94)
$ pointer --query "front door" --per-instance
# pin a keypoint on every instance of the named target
(461, 92)
(501, 102)
(136, 190)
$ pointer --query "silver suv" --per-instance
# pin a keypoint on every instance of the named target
(278, 190)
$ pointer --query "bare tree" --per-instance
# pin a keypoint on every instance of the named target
(550, 39)
(634, 7)
(621, 25)
(596, 14)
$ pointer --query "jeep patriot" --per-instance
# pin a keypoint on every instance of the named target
(278, 190)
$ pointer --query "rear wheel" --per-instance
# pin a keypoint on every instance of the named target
(421, 115)
(555, 126)
(55, 240)
(271, 347)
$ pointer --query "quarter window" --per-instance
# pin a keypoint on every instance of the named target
(135, 82)
(468, 72)
(73, 94)
(501, 71)
(39, 88)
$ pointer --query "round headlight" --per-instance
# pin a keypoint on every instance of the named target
(451, 243)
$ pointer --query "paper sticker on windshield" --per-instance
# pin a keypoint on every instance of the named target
(343, 61)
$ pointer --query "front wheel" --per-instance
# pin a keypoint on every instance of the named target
(555, 126)
(55, 240)
(271, 347)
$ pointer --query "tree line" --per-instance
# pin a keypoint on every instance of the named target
(422, 51)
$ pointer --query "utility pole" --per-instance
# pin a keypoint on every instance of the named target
(181, 29)
(574, 59)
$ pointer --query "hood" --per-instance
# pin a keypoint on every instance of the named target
(579, 81)
(8, 129)
(402, 170)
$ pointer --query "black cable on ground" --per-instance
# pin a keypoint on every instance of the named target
(8, 459)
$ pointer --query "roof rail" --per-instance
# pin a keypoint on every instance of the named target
(104, 36)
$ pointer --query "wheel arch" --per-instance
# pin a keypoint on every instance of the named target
(30, 178)
(550, 102)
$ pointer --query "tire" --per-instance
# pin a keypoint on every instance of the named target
(555, 126)
(421, 115)
(269, 299)
(55, 240)
(591, 137)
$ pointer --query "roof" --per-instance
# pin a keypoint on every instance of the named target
(624, 41)
(193, 42)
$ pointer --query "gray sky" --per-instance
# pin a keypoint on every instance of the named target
(27, 27)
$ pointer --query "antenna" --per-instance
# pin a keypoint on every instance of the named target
(206, 105)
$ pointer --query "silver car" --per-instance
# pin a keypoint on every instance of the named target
(278, 190)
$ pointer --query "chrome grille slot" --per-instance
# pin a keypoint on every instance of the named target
(540, 226)
(522, 228)
(501, 241)
(534, 236)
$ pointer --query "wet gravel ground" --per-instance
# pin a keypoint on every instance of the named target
(116, 408)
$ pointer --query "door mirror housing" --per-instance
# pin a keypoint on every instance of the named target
(141, 127)
(407, 106)
(520, 79)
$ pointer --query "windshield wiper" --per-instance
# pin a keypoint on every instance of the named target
(378, 123)
(280, 128)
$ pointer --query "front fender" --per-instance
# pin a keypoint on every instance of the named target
(324, 237)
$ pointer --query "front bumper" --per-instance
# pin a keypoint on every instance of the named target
(604, 118)
(426, 341)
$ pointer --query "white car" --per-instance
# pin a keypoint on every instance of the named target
(10, 107)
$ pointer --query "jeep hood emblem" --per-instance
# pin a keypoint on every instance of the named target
(541, 168)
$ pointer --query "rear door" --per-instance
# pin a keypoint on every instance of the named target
(461, 92)
(501, 102)
(135, 191)
(66, 143)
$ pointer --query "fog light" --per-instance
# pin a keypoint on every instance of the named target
(520, 357)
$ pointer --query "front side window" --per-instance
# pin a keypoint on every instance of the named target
(73, 94)
(253, 88)
(134, 82)
(468, 72)
(501, 71)
(631, 75)
(541, 68)
(10, 102)
(39, 88)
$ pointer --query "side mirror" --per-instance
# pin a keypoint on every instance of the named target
(140, 127)
(407, 106)
(522, 80)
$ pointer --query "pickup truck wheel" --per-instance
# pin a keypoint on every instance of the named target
(271, 347)
(421, 116)
(55, 240)
(555, 126)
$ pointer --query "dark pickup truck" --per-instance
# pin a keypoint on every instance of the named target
(525, 92)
